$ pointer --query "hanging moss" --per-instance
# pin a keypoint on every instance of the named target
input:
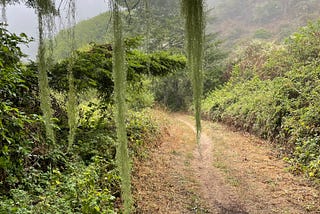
(147, 31)
(119, 75)
(3, 11)
(72, 107)
(44, 91)
(194, 19)
(45, 7)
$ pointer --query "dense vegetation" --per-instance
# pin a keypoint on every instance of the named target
(39, 176)
(270, 90)
(274, 93)
(42, 170)
(165, 33)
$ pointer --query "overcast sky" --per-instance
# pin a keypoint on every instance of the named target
(23, 19)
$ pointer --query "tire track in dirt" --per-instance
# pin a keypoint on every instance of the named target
(236, 173)
(239, 173)
(219, 196)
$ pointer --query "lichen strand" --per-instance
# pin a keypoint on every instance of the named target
(3, 11)
(119, 75)
(44, 91)
(193, 11)
(72, 107)
(147, 31)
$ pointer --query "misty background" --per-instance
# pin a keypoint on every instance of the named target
(22, 19)
(236, 22)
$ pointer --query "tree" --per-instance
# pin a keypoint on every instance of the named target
(194, 19)
(93, 68)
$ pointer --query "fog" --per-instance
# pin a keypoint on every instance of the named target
(23, 20)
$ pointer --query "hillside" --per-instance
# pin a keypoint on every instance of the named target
(164, 25)
(273, 92)
(236, 21)
(91, 30)
(240, 21)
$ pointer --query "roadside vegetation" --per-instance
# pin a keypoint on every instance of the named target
(274, 93)
(268, 89)
(39, 176)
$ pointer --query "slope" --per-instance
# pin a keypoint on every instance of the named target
(94, 30)
(241, 21)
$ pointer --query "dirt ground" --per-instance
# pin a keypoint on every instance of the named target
(230, 172)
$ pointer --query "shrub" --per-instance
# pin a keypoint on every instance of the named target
(262, 34)
(277, 97)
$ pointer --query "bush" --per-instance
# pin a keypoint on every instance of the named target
(40, 177)
(284, 108)
(262, 34)
(20, 132)
(174, 91)
(80, 189)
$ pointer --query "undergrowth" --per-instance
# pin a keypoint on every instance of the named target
(274, 92)
(40, 176)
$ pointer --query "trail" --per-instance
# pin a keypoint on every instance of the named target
(235, 173)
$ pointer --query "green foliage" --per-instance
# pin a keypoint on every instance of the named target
(85, 182)
(139, 95)
(173, 90)
(160, 23)
(275, 94)
(307, 157)
(214, 63)
(38, 178)
(94, 30)
(165, 32)
(303, 45)
(262, 34)
(96, 134)
(18, 126)
(80, 189)
(93, 68)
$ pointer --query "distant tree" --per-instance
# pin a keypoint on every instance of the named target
(93, 68)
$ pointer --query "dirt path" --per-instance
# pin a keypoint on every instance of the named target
(235, 173)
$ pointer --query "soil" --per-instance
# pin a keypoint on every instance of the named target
(229, 172)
